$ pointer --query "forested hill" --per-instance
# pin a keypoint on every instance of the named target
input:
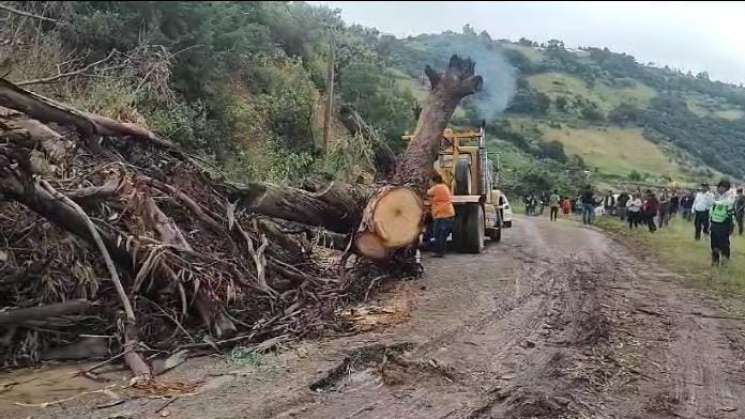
(245, 83)
(627, 121)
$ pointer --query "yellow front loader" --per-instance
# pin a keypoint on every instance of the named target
(464, 164)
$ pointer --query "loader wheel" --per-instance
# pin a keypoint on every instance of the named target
(462, 178)
(468, 232)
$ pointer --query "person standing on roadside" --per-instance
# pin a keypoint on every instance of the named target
(609, 203)
(543, 201)
(533, 205)
(566, 206)
(739, 210)
(701, 205)
(722, 226)
(621, 202)
(664, 210)
(633, 211)
(650, 208)
(588, 205)
(686, 203)
(553, 203)
(443, 213)
(674, 203)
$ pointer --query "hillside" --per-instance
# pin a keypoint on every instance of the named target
(244, 85)
(625, 121)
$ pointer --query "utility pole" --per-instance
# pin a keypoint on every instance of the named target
(330, 98)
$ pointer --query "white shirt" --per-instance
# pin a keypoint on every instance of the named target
(703, 201)
(727, 198)
(634, 205)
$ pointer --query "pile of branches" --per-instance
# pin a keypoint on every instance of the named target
(114, 241)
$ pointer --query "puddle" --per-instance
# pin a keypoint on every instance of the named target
(35, 386)
(358, 369)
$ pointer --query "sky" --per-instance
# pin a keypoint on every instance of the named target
(695, 36)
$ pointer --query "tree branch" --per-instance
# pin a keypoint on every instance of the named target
(133, 358)
(52, 79)
(21, 315)
(88, 124)
(433, 76)
(27, 14)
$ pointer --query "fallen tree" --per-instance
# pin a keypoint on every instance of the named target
(190, 260)
(389, 216)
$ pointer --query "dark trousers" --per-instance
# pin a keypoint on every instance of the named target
(650, 222)
(738, 218)
(720, 240)
(701, 222)
(441, 228)
(686, 214)
(621, 212)
(633, 218)
(554, 213)
(664, 215)
(588, 213)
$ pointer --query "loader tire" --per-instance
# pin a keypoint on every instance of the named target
(469, 229)
(462, 178)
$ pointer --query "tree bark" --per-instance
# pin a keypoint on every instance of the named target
(89, 125)
(338, 207)
(21, 315)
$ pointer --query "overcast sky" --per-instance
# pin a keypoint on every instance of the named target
(692, 36)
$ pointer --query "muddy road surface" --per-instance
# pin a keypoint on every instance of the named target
(557, 321)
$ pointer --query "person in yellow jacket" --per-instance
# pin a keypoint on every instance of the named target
(443, 213)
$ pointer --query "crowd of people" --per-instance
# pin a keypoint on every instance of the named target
(716, 214)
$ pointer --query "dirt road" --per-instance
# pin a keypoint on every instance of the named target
(556, 321)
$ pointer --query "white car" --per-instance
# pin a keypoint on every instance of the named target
(506, 212)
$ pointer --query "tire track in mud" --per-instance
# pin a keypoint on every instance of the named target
(590, 331)
(519, 361)
(552, 382)
(689, 356)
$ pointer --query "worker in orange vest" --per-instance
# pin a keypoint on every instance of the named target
(443, 213)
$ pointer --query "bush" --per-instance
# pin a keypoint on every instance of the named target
(373, 92)
(561, 103)
(624, 114)
(529, 101)
(350, 159)
(553, 150)
(591, 113)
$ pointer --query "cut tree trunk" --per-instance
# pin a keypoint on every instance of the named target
(395, 215)
(338, 207)
(447, 90)
(392, 219)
